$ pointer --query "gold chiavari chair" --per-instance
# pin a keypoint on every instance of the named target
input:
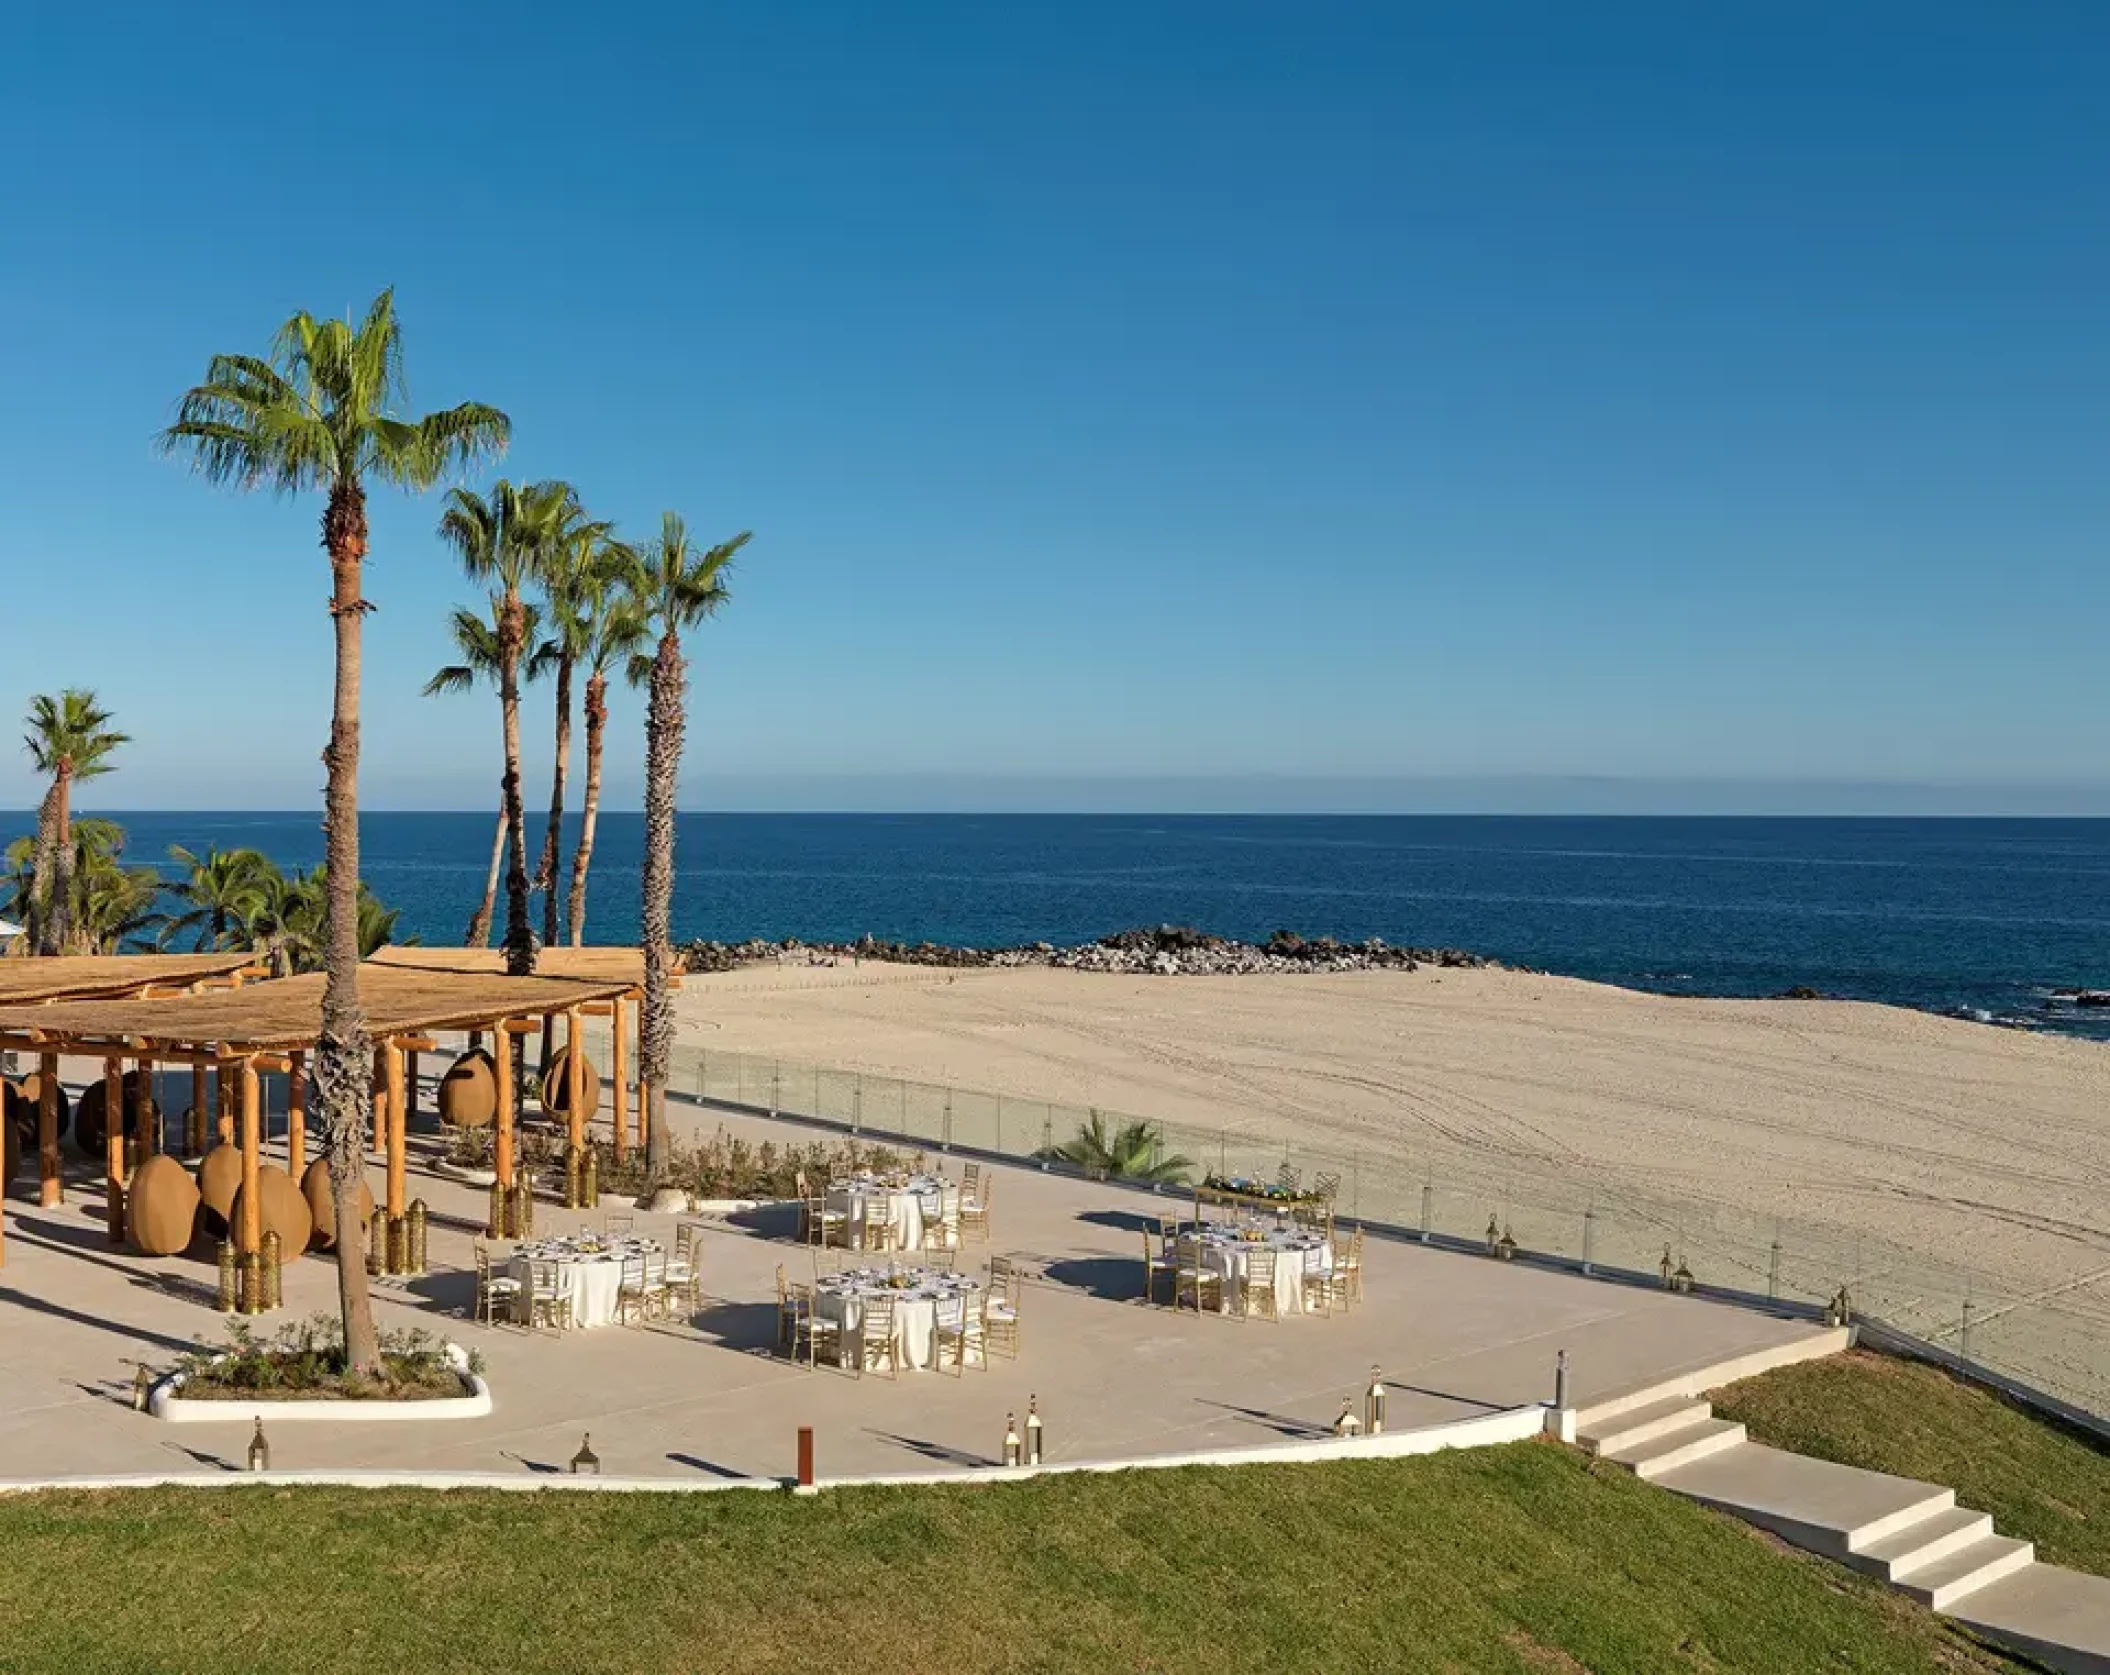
(881, 1230)
(1325, 1285)
(496, 1294)
(685, 1271)
(643, 1294)
(876, 1347)
(1193, 1278)
(974, 1205)
(549, 1299)
(813, 1329)
(963, 1328)
(942, 1257)
(787, 1321)
(1258, 1295)
(1156, 1262)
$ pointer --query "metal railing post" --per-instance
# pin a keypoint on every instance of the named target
(1428, 1195)
(947, 1145)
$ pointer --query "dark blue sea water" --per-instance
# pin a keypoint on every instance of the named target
(1982, 914)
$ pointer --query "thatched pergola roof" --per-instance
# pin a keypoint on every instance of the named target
(92, 976)
(593, 965)
(286, 1014)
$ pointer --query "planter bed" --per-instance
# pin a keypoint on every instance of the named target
(166, 1401)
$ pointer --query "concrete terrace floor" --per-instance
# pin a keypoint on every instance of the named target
(1456, 1335)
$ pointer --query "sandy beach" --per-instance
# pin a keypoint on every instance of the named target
(1974, 1146)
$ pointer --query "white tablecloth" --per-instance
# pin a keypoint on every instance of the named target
(916, 1208)
(1226, 1251)
(592, 1276)
(917, 1309)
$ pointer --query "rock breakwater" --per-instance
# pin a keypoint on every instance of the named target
(1160, 950)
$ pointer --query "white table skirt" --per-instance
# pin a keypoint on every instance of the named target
(911, 1212)
(915, 1324)
(1232, 1260)
(593, 1282)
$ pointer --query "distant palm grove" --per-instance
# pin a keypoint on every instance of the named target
(563, 596)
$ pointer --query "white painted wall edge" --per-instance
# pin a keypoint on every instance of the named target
(164, 1402)
(1482, 1431)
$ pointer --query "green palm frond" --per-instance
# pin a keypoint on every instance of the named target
(319, 410)
(72, 730)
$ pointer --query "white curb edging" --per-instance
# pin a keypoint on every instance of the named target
(164, 1402)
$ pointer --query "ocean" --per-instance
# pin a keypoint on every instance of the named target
(1985, 917)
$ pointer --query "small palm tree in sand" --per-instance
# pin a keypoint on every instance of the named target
(675, 585)
(319, 412)
(70, 738)
(1134, 1152)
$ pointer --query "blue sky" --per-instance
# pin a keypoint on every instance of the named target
(1158, 395)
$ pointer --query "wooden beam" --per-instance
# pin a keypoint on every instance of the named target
(296, 1114)
(597, 1009)
(50, 1189)
(622, 1093)
(502, 1070)
(415, 1043)
(114, 1145)
(252, 1228)
(520, 1026)
(194, 1128)
(575, 1078)
(223, 1079)
(392, 1080)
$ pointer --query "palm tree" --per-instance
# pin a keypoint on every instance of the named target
(674, 586)
(477, 642)
(319, 412)
(107, 902)
(70, 739)
(1130, 1153)
(578, 548)
(221, 890)
(502, 540)
(611, 630)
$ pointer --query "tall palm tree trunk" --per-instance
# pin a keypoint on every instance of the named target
(663, 738)
(553, 839)
(62, 874)
(343, 1055)
(47, 928)
(520, 931)
(590, 803)
(479, 933)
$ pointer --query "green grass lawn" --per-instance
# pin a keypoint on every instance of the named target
(1520, 1559)
(2040, 1481)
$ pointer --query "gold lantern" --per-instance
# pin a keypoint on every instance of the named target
(1012, 1446)
(1374, 1404)
(259, 1450)
(586, 1462)
(227, 1298)
(497, 1220)
(273, 1275)
(1034, 1438)
(417, 1236)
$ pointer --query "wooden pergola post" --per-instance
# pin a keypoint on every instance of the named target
(250, 1235)
(296, 1114)
(223, 1092)
(502, 1070)
(575, 1078)
(382, 1129)
(621, 1114)
(50, 1189)
(114, 1144)
(392, 1083)
(194, 1125)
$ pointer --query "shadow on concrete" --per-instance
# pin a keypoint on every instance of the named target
(938, 1451)
(58, 1311)
(1282, 1424)
(448, 1291)
(710, 1468)
(542, 1468)
(771, 1221)
(198, 1456)
(1125, 1221)
(1116, 1279)
(744, 1326)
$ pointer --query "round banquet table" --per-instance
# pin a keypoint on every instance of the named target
(928, 1295)
(590, 1269)
(916, 1207)
(1225, 1249)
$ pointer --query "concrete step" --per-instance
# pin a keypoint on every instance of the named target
(1835, 1510)
(1941, 1583)
(1643, 1424)
(1819, 1342)
(1897, 1555)
(2059, 1617)
(1668, 1452)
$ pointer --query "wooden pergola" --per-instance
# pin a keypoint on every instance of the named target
(274, 1026)
(45, 980)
